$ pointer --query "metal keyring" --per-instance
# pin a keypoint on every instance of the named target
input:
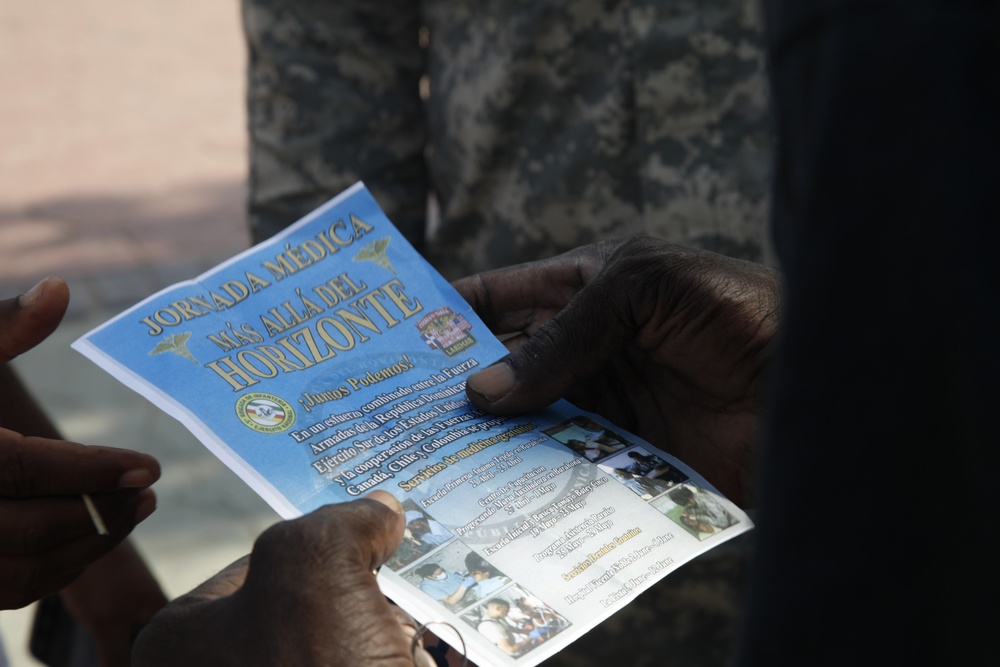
(423, 629)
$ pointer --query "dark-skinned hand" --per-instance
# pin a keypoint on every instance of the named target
(666, 341)
(306, 596)
(47, 537)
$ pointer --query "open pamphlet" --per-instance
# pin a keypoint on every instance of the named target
(331, 360)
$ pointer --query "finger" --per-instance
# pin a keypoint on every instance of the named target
(519, 298)
(356, 536)
(573, 345)
(409, 626)
(27, 320)
(24, 579)
(35, 525)
(32, 467)
(18, 595)
(223, 584)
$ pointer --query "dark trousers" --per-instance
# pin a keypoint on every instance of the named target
(879, 494)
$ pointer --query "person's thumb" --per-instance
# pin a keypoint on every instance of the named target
(568, 349)
(27, 320)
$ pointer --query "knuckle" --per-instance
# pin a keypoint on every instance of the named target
(552, 335)
(481, 299)
(546, 346)
(282, 535)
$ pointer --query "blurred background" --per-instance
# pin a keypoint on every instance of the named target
(122, 169)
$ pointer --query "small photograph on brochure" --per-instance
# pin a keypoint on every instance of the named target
(423, 534)
(587, 438)
(644, 473)
(643, 463)
(696, 510)
(457, 577)
(515, 621)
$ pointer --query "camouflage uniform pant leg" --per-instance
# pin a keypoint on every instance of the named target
(332, 98)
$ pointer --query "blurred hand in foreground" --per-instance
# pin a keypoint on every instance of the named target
(47, 536)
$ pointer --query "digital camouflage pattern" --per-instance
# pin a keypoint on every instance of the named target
(533, 126)
(541, 126)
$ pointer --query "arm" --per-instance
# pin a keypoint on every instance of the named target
(114, 598)
(459, 593)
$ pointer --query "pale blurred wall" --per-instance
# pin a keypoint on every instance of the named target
(121, 132)
(122, 168)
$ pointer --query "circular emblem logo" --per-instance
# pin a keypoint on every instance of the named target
(265, 413)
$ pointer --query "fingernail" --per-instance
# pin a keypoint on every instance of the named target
(493, 382)
(136, 479)
(145, 507)
(35, 293)
(386, 499)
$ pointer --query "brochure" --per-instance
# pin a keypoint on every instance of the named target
(331, 361)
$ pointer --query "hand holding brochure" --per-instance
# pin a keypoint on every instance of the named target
(331, 361)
